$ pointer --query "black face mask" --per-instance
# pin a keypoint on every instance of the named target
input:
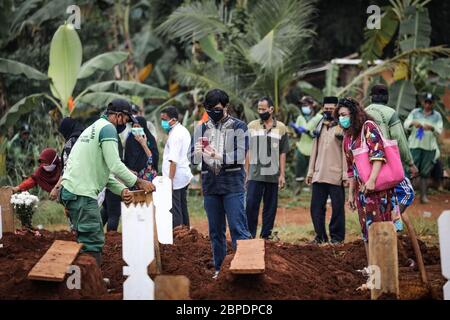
(215, 115)
(120, 128)
(328, 115)
(264, 116)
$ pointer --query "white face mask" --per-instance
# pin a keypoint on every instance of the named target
(50, 167)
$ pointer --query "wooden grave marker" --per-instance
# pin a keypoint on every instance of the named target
(444, 244)
(7, 214)
(383, 258)
(172, 288)
(249, 257)
(54, 264)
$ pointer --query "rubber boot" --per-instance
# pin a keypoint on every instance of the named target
(423, 190)
(97, 256)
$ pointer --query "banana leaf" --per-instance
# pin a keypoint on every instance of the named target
(402, 97)
(18, 68)
(415, 29)
(129, 88)
(65, 62)
(377, 39)
(102, 62)
(23, 106)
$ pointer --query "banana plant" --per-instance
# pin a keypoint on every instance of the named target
(65, 69)
(410, 20)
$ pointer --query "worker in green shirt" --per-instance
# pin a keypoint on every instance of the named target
(306, 122)
(94, 164)
(425, 125)
(390, 125)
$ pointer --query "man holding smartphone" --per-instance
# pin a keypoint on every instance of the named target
(220, 145)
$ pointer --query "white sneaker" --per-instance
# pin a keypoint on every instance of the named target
(216, 274)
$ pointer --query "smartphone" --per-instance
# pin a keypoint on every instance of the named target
(205, 141)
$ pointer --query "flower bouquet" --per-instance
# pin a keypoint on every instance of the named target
(24, 204)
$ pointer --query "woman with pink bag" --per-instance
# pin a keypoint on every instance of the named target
(372, 205)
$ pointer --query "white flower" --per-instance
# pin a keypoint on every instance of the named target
(23, 199)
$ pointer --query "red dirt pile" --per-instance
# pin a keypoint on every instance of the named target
(292, 271)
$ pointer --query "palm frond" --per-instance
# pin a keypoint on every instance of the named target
(391, 63)
(192, 21)
(280, 28)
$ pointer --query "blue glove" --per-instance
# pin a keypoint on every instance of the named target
(297, 129)
(420, 133)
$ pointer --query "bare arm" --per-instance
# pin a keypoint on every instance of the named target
(172, 170)
(281, 180)
(247, 164)
(370, 184)
(351, 199)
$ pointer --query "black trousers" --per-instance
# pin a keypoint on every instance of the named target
(180, 214)
(268, 192)
(111, 211)
(320, 193)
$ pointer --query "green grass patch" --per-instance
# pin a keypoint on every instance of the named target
(49, 213)
(295, 233)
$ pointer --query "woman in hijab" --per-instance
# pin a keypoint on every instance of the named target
(141, 151)
(70, 129)
(46, 175)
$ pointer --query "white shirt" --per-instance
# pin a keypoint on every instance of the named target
(176, 150)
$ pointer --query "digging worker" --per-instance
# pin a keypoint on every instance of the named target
(265, 167)
(392, 128)
(425, 125)
(327, 172)
(390, 124)
(93, 164)
(220, 145)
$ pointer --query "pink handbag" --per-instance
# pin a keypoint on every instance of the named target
(391, 173)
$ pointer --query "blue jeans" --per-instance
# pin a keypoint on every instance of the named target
(232, 207)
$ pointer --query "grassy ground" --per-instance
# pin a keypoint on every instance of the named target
(50, 215)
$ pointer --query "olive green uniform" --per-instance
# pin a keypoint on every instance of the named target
(92, 165)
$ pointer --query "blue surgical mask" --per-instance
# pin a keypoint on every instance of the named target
(344, 122)
(165, 125)
(306, 110)
(137, 131)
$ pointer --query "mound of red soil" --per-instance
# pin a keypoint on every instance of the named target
(19, 255)
(292, 271)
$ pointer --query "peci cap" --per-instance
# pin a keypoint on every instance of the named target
(330, 100)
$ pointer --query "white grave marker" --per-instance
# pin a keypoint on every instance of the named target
(162, 199)
(138, 251)
(444, 244)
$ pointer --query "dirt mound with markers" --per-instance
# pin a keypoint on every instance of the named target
(292, 271)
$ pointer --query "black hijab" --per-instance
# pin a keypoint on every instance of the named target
(70, 128)
(135, 157)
